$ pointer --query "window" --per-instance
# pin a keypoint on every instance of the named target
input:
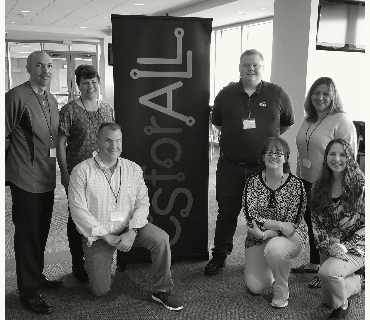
(228, 44)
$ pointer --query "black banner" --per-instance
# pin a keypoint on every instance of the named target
(161, 98)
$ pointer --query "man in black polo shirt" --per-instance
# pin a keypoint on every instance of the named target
(247, 113)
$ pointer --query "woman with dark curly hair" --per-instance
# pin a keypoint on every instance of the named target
(274, 202)
(324, 120)
(338, 221)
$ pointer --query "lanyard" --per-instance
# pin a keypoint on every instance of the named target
(120, 181)
(249, 104)
(43, 112)
(309, 138)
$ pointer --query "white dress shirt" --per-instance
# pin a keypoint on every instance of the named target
(102, 202)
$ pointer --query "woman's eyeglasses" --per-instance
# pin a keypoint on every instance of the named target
(277, 154)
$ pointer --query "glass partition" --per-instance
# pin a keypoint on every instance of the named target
(65, 61)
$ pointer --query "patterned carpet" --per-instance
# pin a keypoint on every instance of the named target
(223, 296)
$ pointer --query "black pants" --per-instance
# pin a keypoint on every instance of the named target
(230, 183)
(31, 215)
(314, 253)
(75, 243)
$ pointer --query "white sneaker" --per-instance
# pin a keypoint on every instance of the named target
(276, 303)
(280, 303)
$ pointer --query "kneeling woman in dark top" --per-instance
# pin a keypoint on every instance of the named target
(274, 202)
(338, 221)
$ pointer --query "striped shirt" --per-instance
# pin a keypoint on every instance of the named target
(102, 202)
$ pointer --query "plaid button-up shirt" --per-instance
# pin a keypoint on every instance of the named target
(94, 193)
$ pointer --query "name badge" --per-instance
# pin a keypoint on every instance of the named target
(116, 216)
(249, 123)
(52, 152)
(306, 163)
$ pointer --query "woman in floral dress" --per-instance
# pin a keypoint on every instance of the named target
(338, 221)
(79, 121)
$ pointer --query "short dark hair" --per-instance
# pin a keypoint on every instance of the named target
(111, 125)
(87, 71)
(279, 144)
(251, 52)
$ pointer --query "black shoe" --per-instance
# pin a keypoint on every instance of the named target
(336, 314)
(361, 273)
(36, 304)
(345, 312)
(339, 313)
(214, 266)
(49, 284)
(80, 274)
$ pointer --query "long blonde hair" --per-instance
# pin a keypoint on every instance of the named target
(336, 103)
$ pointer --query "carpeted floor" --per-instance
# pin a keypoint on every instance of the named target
(222, 296)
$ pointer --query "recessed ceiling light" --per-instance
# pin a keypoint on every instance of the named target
(139, 4)
(83, 27)
(242, 12)
(24, 52)
(25, 11)
(26, 46)
(263, 8)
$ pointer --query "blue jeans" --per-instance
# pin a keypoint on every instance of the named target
(230, 183)
(338, 279)
(98, 259)
(271, 261)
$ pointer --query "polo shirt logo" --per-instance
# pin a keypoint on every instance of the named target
(262, 104)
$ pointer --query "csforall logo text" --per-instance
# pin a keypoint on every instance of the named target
(155, 129)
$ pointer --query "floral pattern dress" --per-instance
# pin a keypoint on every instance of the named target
(335, 224)
(81, 127)
(287, 204)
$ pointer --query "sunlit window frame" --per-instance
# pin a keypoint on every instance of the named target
(215, 59)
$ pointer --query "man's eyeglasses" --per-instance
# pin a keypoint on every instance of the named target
(277, 154)
(255, 66)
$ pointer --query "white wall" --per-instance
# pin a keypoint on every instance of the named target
(348, 70)
(106, 73)
(294, 40)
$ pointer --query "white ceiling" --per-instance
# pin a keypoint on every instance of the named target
(64, 19)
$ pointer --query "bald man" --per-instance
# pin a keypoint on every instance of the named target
(31, 133)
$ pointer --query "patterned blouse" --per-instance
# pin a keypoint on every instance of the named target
(287, 204)
(81, 127)
(334, 224)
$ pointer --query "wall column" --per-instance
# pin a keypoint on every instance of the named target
(294, 41)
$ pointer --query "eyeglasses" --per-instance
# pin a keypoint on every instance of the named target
(278, 154)
(255, 66)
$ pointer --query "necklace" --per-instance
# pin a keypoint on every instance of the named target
(85, 106)
(94, 119)
(281, 180)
